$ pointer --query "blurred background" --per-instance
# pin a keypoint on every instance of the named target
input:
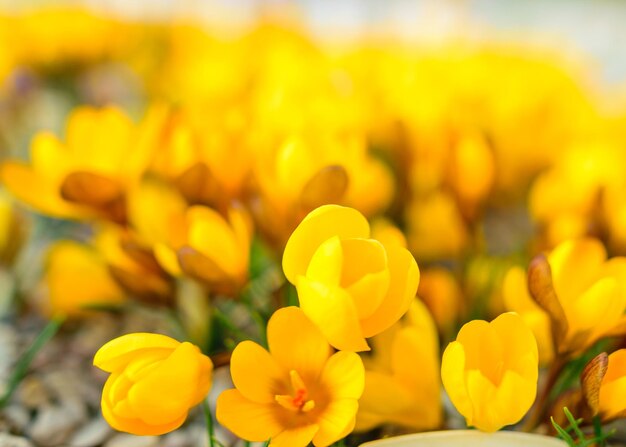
(476, 133)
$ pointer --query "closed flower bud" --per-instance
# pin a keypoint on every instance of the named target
(490, 372)
(154, 382)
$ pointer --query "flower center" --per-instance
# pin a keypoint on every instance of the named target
(298, 399)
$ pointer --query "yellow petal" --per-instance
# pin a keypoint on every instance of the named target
(318, 226)
(413, 361)
(333, 312)
(599, 309)
(382, 399)
(496, 407)
(255, 373)
(520, 352)
(453, 377)
(365, 274)
(403, 281)
(335, 421)
(248, 420)
(613, 386)
(344, 376)
(137, 426)
(297, 344)
(299, 436)
(117, 353)
(36, 191)
(175, 378)
(78, 277)
(574, 265)
(211, 235)
(327, 263)
(152, 208)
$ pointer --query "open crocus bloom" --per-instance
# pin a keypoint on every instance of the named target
(154, 382)
(88, 175)
(490, 372)
(352, 287)
(295, 393)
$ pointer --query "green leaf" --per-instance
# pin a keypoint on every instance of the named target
(21, 368)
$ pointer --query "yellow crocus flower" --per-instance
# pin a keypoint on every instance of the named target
(210, 248)
(103, 155)
(297, 392)
(154, 382)
(352, 287)
(402, 381)
(490, 372)
(76, 277)
(192, 240)
(583, 293)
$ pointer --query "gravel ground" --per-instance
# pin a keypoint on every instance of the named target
(58, 402)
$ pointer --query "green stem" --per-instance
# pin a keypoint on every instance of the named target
(539, 410)
(597, 430)
(209, 421)
(24, 362)
(219, 315)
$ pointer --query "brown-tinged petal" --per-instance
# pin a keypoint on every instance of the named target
(541, 289)
(90, 188)
(591, 379)
(328, 185)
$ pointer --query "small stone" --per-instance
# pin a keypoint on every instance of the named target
(54, 425)
(17, 418)
(94, 433)
(178, 438)
(7, 440)
(63, 384)
(126, 440)
(32, 392)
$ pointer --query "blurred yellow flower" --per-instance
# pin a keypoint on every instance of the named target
(303, 174)
(154, 382)
(297, 392)
(490, 372)
(206, 246)
(133, 265)
(402, 377)
(435, 228)
(64, 37)
(566, 199)
(88, 175)
(384, 231)
(352, 287)
(12, 229)
(517, 299)
(471, 171)
(206, 154)
(583, 293)
(76, 277)
(192, 240)
(442, 294)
